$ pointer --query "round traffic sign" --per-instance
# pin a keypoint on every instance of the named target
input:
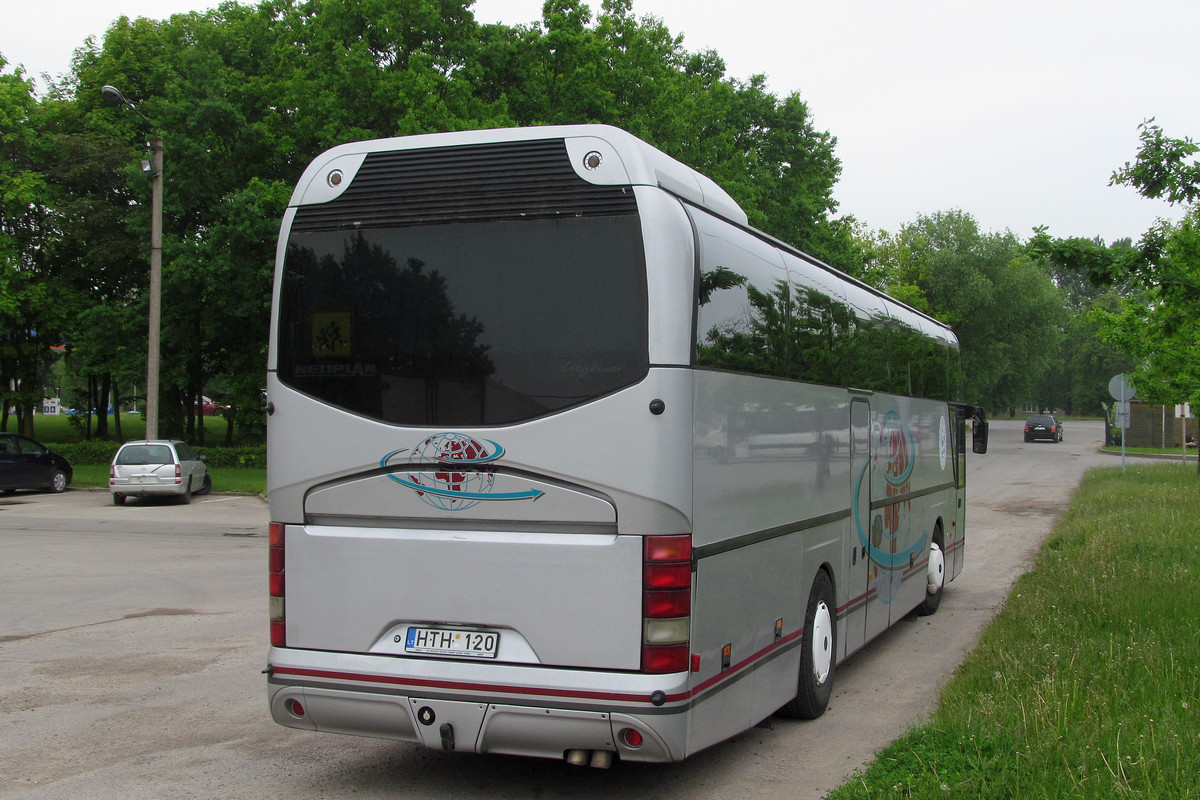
(1121, 389)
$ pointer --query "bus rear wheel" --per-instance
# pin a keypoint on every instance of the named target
(818, 653)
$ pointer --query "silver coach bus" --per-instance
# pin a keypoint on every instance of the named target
(566, 460)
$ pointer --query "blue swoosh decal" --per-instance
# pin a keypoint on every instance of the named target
(528, 494)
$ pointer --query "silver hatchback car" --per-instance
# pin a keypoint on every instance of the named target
(160, 467)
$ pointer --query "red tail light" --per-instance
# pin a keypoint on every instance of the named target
(178, 474)
(666, 603)
(664, 658)
(668, 576)
(275, 564)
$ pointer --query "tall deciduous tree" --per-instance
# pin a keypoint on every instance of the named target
(1000, 301)
(1087, 361)
(1159, 321)
(34, 303)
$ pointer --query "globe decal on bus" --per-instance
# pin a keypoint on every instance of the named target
(453, 473)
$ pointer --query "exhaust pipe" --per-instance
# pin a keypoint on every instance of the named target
(599, 759)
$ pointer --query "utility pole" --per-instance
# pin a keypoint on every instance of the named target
(155, 168)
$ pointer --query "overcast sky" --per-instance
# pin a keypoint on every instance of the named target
(1015, 111)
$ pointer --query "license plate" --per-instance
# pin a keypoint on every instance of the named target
(449, 642)
(145, 479)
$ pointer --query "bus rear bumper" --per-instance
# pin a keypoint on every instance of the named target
(361, 699)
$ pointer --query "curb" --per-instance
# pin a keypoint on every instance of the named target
(1190, 458)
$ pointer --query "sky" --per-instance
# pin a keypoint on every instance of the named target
(1016, 112)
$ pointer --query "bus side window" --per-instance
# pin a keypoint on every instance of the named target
(739, 284)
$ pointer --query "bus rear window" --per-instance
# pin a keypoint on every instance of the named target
(479, 323)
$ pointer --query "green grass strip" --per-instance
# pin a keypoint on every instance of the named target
(225, 479)
(1087, 683)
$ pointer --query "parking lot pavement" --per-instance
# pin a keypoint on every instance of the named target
(240, 511)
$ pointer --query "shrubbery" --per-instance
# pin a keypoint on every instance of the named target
(246, 456)
(94, 452)
(100, 452)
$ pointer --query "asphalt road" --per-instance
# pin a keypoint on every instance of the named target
(132, 641)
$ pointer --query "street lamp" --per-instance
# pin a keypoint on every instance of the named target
(156, 182)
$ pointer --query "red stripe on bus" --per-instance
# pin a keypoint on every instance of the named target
(419, 683)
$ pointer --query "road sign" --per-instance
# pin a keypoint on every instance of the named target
(1120, 388)
(1121, 412)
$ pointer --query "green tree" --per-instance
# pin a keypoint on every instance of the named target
(33, 305)
(96, 261)
(360, 69)
(1159, 320)
(239, 253)
(1000, 300)
(1164, 167)
(1088, 361)
(209, 102)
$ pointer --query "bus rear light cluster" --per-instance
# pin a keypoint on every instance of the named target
(275, 581)
(666, 603)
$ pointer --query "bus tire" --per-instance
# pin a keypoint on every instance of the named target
(818, 653)
(935, 577)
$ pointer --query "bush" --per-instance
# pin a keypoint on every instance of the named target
(102, 452)
(94, 452)
(245, 457)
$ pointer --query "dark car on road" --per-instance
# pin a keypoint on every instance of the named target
(27, 464)
(1043, 426)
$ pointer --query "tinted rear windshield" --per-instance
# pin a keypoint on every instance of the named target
(145, 454)
(480, 323)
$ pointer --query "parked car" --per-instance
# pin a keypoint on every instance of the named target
(1043, 426)
(157, 468)
(208, 407)
(28, 464)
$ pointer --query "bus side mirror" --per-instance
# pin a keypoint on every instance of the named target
(979, 431)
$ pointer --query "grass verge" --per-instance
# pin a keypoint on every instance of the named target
(225, 479)
(1087, 683)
